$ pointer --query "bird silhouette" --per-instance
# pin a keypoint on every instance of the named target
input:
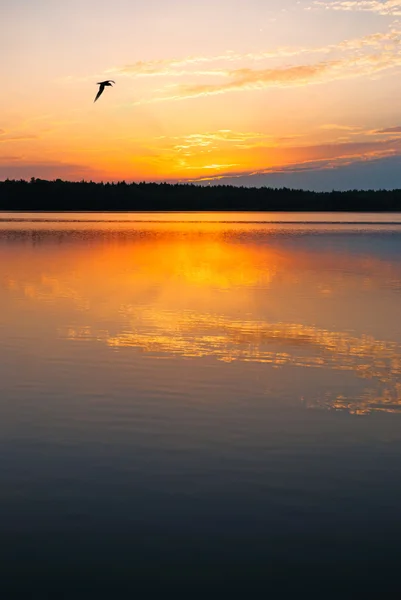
(102, 86)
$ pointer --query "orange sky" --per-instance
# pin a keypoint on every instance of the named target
(255, 93)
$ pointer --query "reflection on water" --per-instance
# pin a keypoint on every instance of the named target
(196, 335)
(117, 218)
(302, 297)
(178, 404)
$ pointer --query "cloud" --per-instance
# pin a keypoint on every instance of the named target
(225, 135)
(182, 66)
(386, 8)
(199, 143)
(197, 152)
(336, 127)
(320, 157)
(365, 56)
(389, 130)
(216, 166)
(345, 174)
(16, 137)
(169, 66)
(206, 140)
(297, 75)
(248, 79)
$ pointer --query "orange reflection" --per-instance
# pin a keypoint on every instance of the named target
(278, 344)
(214, 290)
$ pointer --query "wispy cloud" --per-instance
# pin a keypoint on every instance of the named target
(248, 79)
(215, 166)
(197, 144)
(200, 140)
(197, 152)
(189, 65)
(14, 137)
(297, 75)
(389, 130)
(386, 7)
(181, 66)
(356, 57)
(337, 127)
(320, 157)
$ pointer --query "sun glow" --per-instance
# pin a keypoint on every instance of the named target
(247, 102)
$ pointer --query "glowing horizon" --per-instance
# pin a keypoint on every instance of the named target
(249, 93)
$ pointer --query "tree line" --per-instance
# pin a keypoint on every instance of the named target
(58, 195)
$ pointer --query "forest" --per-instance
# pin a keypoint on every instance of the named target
(59, 195)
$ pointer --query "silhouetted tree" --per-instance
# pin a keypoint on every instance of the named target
(58, 195)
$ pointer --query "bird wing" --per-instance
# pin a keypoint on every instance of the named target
(99, 92)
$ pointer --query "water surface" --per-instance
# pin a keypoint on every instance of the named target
(200, 404)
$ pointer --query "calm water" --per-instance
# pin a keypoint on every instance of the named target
(207, 407)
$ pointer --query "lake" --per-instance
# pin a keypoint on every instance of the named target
(200, 404)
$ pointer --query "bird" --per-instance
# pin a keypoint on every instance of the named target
(102, 86)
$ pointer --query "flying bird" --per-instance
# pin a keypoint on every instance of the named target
(102, 86)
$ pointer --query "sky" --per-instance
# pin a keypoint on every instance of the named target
(295, 93)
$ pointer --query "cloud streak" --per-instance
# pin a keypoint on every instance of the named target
(386, 8)
(182, 66)
(202, 140)
(338, 127)
(16, 137)
(319, 158)
(248, 79)
(297, 75)
(356, 57)
(389, 130)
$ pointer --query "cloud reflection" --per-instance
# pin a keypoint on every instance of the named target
(234, 295)
(193, 335)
